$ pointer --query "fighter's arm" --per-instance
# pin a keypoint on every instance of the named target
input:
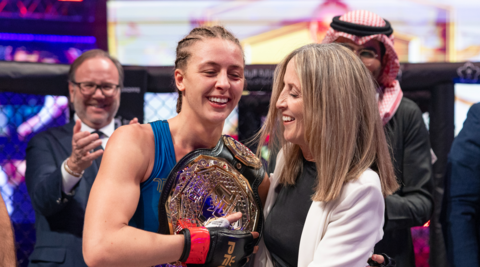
(108, 240)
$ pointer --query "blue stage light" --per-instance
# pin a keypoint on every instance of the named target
(47, 38)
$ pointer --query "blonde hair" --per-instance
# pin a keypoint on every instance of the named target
(342, 125)
(183, 52)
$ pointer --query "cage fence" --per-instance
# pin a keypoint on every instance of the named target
(21, 117)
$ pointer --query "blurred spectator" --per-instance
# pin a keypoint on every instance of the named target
(461, 210)
(22, 55)
(371, 38)
(7, 245)
(62, 162)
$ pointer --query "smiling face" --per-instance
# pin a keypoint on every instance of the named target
(96, 110)
(374, 65)
(212, 82)
(290, 104)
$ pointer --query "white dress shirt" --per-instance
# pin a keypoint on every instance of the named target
(69, 181)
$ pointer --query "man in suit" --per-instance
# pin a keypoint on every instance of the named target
(62, 162)
(461, 207)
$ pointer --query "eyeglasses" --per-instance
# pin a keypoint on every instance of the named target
(89, 88)
(362, 53)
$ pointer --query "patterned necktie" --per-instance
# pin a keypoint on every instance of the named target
(100, 136)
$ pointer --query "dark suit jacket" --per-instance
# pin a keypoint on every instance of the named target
(58, 217)
(412, 204)
(461, 209)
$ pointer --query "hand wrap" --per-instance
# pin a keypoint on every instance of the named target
(216, 247)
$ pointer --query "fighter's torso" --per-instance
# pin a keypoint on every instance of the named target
(241, 159)
(210, 183)
(146, 215)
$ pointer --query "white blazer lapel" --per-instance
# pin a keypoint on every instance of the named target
(313, 230)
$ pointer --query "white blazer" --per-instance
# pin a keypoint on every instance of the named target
(339, 233)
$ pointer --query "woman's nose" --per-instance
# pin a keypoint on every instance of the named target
(281, 103)
(222, 81)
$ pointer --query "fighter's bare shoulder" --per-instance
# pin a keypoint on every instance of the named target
(132, 146)
(135, 135)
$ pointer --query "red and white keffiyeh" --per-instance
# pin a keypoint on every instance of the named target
(390, 93)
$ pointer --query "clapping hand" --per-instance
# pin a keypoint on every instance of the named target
(82, 145)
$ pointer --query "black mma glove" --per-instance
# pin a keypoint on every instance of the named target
(216, 246)
(388, 262)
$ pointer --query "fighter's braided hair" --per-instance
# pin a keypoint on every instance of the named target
(199, 34)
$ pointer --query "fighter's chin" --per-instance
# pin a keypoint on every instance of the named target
(218, 117)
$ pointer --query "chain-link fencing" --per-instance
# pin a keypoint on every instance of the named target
(21, 117)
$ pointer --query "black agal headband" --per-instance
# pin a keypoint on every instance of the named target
(360, 30)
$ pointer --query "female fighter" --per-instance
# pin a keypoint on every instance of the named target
(209, 76)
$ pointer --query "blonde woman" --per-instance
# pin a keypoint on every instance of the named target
(325, 206)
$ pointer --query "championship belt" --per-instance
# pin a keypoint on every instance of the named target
(208, 184)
